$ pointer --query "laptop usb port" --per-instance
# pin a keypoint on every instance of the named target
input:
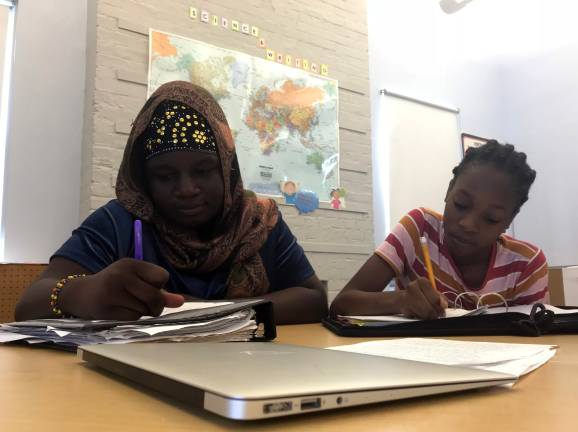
(277, 407)
(311, 403)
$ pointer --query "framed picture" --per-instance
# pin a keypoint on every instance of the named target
(471, 141)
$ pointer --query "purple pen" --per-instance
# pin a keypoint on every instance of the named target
(138, 239)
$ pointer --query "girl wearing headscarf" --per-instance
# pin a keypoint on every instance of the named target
(203, 235)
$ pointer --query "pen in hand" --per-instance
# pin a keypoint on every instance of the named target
(138, 239)
(171, 300)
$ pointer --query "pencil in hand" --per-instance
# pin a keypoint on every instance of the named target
(427, 260)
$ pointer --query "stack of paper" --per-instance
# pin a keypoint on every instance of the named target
(173, 325)
(513, 359)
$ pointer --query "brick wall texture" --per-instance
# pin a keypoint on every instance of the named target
(332, 32)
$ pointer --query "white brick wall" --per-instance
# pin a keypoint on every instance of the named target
(331, 32)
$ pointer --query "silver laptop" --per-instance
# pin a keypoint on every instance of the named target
(255, 380)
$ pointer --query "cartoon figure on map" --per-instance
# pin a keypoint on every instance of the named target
(289, 189)
(335, 196)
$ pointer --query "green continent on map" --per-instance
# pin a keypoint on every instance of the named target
(316, 159)
(291, 107)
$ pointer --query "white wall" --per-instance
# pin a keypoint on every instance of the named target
(541, 99)
(510, 67)
(42, 175)
(4, 17)
(418, 50)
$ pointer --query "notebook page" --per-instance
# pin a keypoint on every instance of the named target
(450, 313)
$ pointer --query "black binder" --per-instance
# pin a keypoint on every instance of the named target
(540, 321)
(264, 319)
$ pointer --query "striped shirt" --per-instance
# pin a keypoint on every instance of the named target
(518, 270)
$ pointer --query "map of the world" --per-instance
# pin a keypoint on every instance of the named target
(284, 120)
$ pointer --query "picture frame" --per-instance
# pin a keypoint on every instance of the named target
(469, 140)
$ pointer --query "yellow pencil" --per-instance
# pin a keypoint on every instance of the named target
(427, 260)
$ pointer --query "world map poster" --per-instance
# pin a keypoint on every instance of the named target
(284, 120)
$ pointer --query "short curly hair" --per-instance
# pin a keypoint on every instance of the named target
(505, 158)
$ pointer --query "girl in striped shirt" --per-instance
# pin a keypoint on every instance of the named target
(468, 248)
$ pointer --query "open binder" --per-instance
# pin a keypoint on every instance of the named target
(238, 320)
(534, 320)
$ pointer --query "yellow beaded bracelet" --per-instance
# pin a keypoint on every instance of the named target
(55, 293)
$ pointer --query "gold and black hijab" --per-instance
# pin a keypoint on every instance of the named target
(246, 220)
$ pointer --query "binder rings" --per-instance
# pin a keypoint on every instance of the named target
(540, 320)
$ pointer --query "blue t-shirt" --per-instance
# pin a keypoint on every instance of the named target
(107, 236)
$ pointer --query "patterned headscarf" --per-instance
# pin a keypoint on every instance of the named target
(246, 220)
(177, 127)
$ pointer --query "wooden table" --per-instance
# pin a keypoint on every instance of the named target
(48, 390)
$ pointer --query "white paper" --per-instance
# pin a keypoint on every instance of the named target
(522, 366)
(35, 341)
(60, 333)
(450, 313)
(153, 330)
(187, 306)
(11, 337)
(448, 352)
(240, 331)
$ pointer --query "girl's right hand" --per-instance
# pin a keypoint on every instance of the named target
(125, 290)
(421, 300)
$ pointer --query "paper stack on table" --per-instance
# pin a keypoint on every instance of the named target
(184, 324)
(513, 359)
